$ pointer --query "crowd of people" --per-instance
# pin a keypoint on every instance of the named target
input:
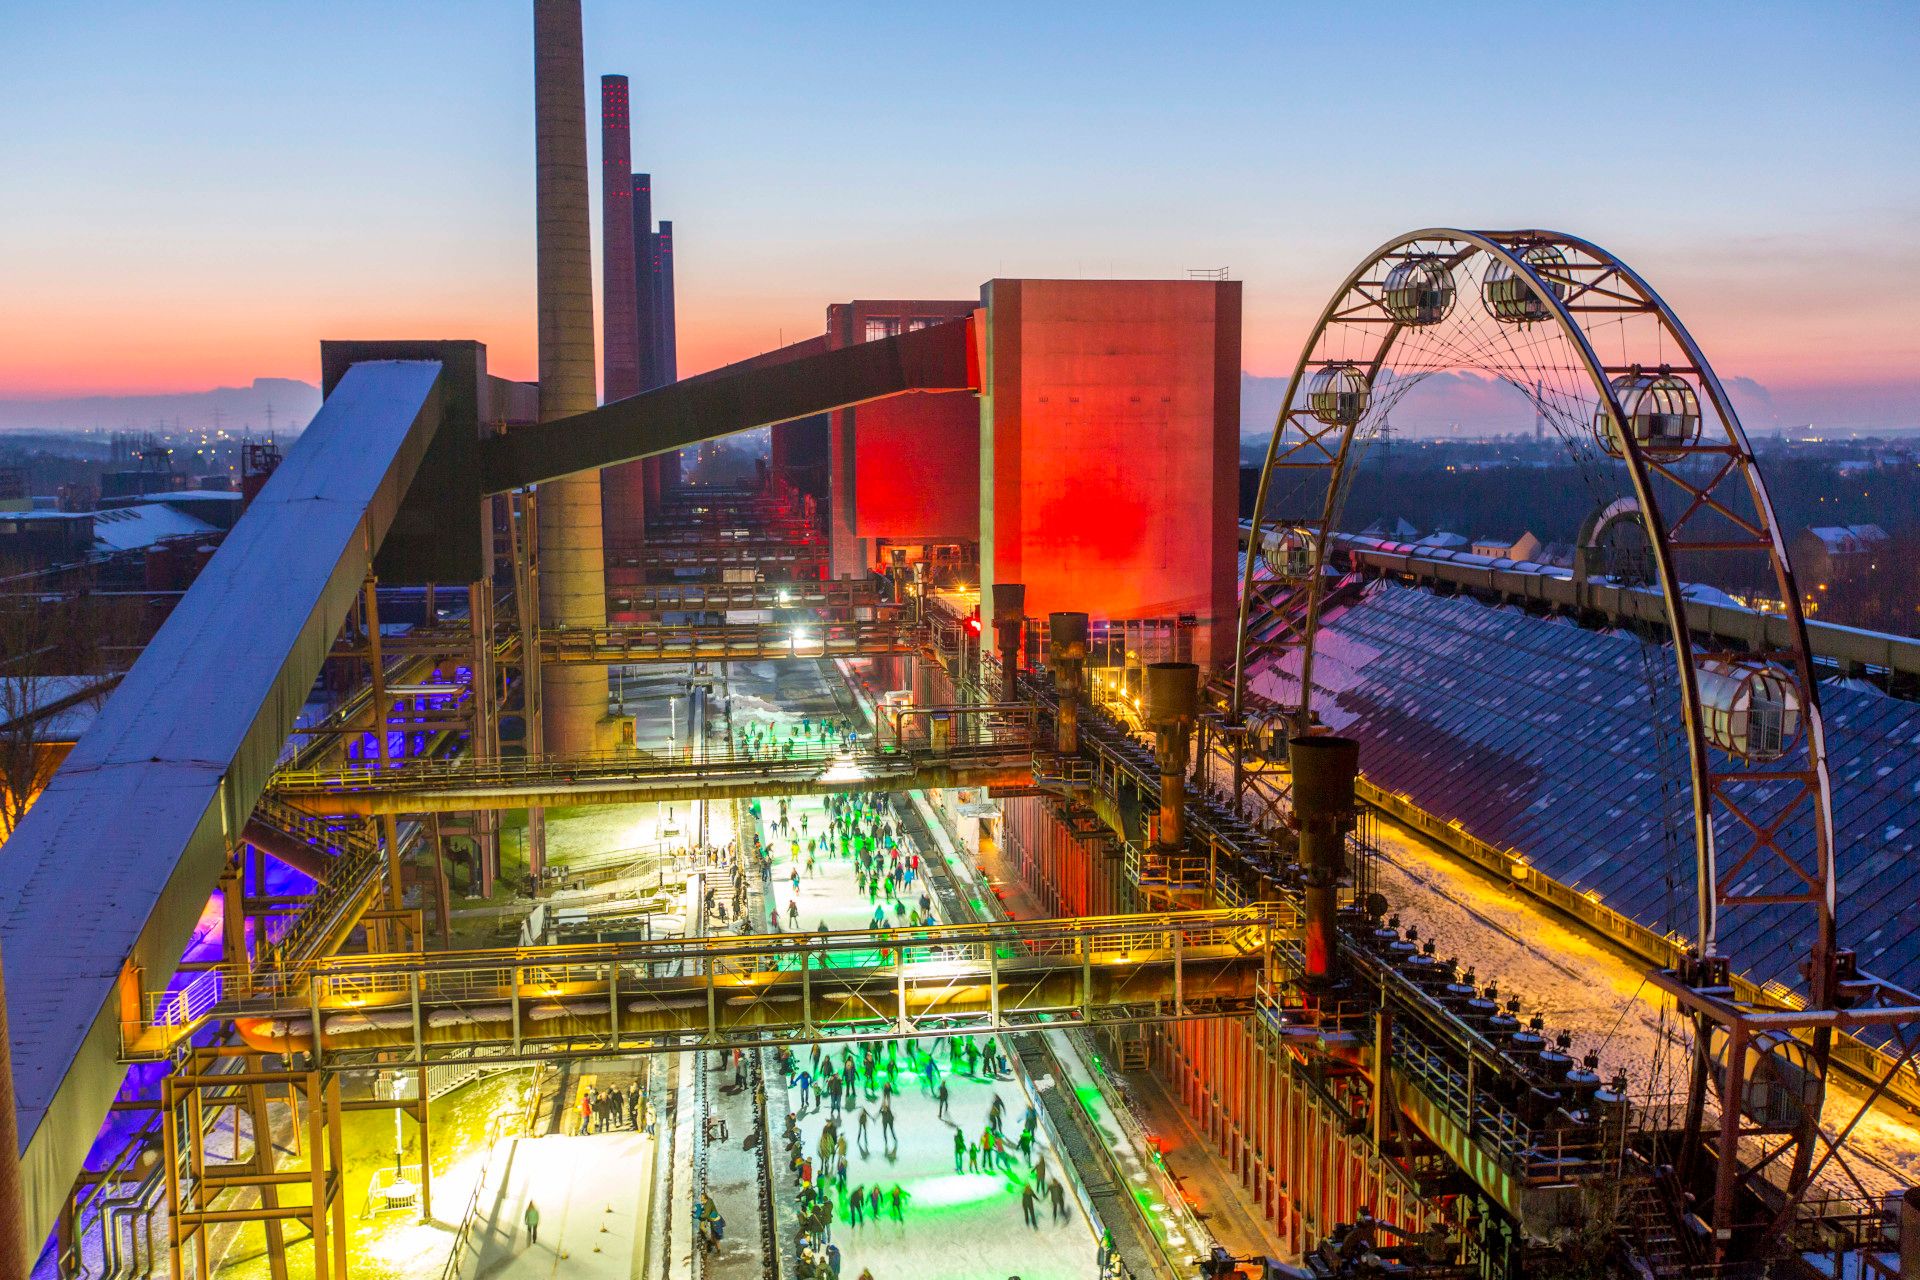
(766, 740)
(612, 1107)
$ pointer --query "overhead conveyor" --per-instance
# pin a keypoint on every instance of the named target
(103, 882)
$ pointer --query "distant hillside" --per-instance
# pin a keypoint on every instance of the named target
(1484, 405)
(294, 402)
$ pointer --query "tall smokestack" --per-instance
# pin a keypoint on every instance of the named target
(573, 581)
(623, 488)
(643, 279)
(668, 464)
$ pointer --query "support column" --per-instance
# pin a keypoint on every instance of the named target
(381, 707)
(573, 581)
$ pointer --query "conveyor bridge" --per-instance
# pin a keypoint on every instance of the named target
(986, 746)
(715, 992)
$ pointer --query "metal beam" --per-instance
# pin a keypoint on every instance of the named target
(105, 879)
(739, 397)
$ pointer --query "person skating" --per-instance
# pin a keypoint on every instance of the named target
(873, 1202)
(959, 1149)
(1026, 1206)
(864, 1149)
(894, 1198)
(1057, 1190)
(886, 1122)
(806, 1084)
(942, 1096)
(996, 1113)
(856, 1204)
(533, 1224)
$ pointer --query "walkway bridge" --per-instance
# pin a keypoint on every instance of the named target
(982, 746)
(730, 642)
(715, 597)
(591, 1000)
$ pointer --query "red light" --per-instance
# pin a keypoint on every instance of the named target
(973, 626)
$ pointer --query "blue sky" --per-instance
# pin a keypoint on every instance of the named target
(196, 192)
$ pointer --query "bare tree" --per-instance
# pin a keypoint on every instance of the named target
(55, 647)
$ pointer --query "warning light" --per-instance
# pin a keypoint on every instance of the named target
(973, 626)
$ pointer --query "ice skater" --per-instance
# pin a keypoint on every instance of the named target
(1026, 1206)
(533, 1224)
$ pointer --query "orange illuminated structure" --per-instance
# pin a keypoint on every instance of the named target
(903, 472)
(1110, 414)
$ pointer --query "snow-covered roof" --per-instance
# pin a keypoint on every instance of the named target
(1848, 539)
(132, 528)
(1441, 538)
(1559, 741)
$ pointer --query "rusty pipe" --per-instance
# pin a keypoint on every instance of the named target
(1009, 610)
(1324, 769)
(1173, 703)
(1067, 655)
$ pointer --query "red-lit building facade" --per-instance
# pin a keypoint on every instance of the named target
(1109, 449)
(903, 473)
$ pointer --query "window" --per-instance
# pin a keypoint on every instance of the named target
(882, 327)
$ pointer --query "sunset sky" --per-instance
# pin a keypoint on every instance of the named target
(195, 193)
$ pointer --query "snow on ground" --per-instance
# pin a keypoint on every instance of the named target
(1579, 984)
(592, 1195)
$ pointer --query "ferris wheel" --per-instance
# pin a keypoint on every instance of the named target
(1612, 370)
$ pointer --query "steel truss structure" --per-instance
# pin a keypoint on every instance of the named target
(1609, 366)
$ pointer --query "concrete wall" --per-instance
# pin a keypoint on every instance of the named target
(1110, 422)
(903, 470)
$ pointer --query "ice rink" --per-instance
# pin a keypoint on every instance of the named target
(953, 1226)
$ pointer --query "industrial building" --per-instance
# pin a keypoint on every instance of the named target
(561, 855)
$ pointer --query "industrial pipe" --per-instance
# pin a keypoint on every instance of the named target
(1173, 702)
(1324, 768)
(1067, 655)
(1009, 612)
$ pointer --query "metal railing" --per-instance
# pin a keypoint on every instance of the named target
(735, 967)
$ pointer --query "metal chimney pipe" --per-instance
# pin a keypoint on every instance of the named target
(1173, 703)
(573, 576)
(1324, 768)
(1009, 610)
(1067, 655)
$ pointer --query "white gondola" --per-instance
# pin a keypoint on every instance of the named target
(1419, 291)
(1750, 710)
(1510, 296)
(1663, 415)
(1287, 552)
(1338, 395)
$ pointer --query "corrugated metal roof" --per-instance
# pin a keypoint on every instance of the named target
(1559, 742)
